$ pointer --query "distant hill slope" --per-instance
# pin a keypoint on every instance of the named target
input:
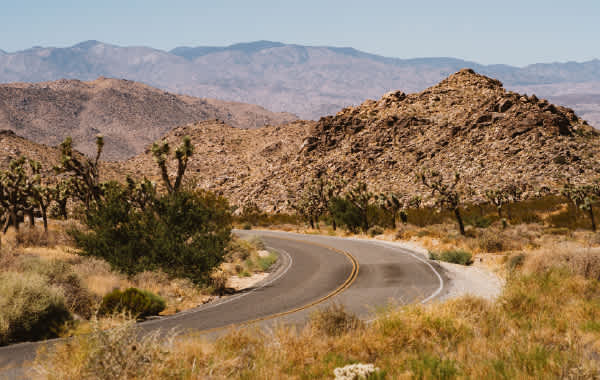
(310, 81)
(468, 123)
(130, 115)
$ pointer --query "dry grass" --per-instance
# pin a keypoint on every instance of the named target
(526, 334)
(579, 260)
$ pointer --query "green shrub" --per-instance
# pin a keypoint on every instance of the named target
(138, 303)
(345, 214)
(183, 234)
(374, 231)
(247, 226)
(457, 256)
(266, 262)
(30, 308)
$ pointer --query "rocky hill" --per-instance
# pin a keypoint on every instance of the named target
(130, 115)
(310, 81)
(468, 123)
(235, 162)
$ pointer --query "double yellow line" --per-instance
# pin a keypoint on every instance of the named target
(341, 288)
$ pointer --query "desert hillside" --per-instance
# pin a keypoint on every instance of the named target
(130, 115)
(468, 123)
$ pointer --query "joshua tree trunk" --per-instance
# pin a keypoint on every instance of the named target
(62, 208)
(45, 218)
(31, 217)
(460, 221)
(333, 224)
(14, 221)
(591, 211)
(312, 223)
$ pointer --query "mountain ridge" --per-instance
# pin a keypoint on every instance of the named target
(309, 81)
(129, 114)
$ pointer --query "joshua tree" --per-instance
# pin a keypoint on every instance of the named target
(497, 197)
(16, 190)
(360, 197)
(313, 201)
(393, 204)
(141, 194)
(333, 189)
(85, 175)
(415, 201)
(41, 194)
(62, 192)
(583, 197)
(182, 154)
(446, 195)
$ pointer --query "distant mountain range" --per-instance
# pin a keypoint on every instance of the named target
(310, 81)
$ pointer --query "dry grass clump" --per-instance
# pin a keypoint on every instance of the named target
(31, 308)
(579, 260)
(334, 320)
(117, 353)
(180, 294)
(35, 236)
(57, 273)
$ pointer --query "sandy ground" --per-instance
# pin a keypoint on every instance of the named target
(240, 283)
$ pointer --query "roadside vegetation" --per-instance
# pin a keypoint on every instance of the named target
(111, 249)
(543, 325)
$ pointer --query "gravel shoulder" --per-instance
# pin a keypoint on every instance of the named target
(475, 280)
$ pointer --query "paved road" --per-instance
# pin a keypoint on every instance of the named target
(313, 271)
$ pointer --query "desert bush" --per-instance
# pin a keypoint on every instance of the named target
(30, 308)
(60, 274)
(265, 262)
(183, 233)
(137, 303)
(576, 259)
(344, 214)
(457, 256)
(334, 320)
(117, 353)
(491, 242)
(515, 261)
(247, 226)
(374, 231)
(218, 282)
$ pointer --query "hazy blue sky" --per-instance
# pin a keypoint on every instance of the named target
(507, 31)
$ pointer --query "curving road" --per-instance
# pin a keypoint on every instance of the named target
(312, 271)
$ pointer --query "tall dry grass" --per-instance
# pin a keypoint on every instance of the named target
(544, 326)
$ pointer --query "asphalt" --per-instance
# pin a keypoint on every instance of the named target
(312, 272)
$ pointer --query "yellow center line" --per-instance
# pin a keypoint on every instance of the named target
(341, 288)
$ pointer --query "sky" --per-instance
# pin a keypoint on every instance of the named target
(510, 32)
